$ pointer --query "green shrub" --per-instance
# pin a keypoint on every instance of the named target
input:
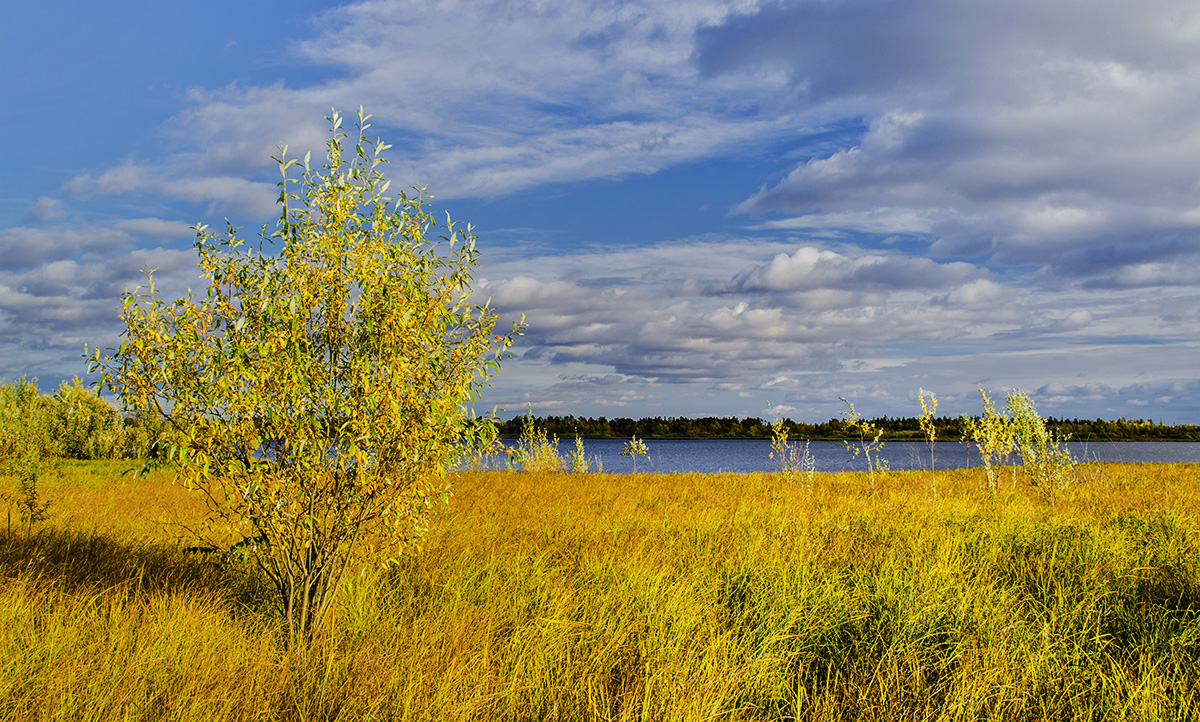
(535, 452)
(24, 422)
(72, 423)
(1022, 430)
(84, 425)
(1044, 455)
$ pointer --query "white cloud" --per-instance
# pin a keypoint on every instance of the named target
(1183, 272)
(250, 198)
(884, 221)
(997, 138)
(811, 268)
(715, 335)
(1023, 133)
(981, 292)
(510, 96)
(22, 247)
(1026, 132)
(45, 209)
(127, 177)
(61, 287)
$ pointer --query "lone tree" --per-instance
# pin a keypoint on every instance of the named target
(318, 395)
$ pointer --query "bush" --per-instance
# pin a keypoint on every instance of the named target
(73, 423)
(1043, 454)
(535, 452)
(24, 422)
(1022, 430)
(319, 396)
(84, 425)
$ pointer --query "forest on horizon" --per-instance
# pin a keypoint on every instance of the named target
(893, 428)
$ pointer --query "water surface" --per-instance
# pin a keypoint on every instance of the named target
(710, 456)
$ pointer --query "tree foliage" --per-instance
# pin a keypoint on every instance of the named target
(319, 394)
(72, 423)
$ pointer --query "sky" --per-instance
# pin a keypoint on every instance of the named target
(701, 207)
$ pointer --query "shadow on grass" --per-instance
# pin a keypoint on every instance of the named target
(75, 562)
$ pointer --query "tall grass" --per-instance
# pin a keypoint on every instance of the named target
(554, 596)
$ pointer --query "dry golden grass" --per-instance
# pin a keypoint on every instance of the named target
(647, 597)
(107, 498)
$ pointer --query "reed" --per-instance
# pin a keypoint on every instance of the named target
(557, 596)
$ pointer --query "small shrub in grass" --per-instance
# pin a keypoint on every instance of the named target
(578, 458)
(929, 430)
(869, 441)
(793, 459)
(31, 509)
(634, 448)
(1044, 455)
(536, 452)
(993, 437)
(1020, 429)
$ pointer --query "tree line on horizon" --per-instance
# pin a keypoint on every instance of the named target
(895, 428)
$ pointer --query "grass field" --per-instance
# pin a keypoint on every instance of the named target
(643, 597)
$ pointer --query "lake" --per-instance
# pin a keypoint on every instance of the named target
(754, 455)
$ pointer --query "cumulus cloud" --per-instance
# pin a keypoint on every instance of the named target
(981, 292)
(700, 330)
(1182, 272)
(811, 268)
(1058, 394)
(1028, 133)
(61, 286)
(23, 247)
(999, 192)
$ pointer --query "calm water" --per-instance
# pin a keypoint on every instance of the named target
(745, 456)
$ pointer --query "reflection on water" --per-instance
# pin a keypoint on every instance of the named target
(754, 455)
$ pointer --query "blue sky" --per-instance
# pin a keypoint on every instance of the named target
(700, 207)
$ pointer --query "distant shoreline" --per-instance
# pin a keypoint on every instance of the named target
(894, 429)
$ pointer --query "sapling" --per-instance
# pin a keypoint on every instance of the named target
(577, 458)
(535, 451)
(966, 427)
(929, 429)
(1043, 454)
(792, 459)
(319, 388)
(993, 437)
(869, 440)
(31, 509)
(633, 449)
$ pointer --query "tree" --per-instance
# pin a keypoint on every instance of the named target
(870, 441)
(318, 396)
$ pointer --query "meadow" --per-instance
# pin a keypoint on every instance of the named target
(559, 596)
